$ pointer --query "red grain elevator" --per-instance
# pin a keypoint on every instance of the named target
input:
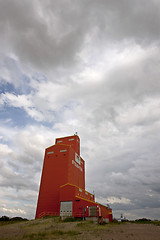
(62, 188)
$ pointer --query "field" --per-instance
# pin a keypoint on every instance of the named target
(54, 228)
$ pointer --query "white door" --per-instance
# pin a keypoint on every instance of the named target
(66, 209)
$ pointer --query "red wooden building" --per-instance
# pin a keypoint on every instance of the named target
(62, 188)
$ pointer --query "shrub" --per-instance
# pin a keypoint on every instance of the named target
(4, 218)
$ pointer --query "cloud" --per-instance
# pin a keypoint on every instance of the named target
(48, 36)
(44, 36)
(4, 149)
(113, 200)
(13, 211)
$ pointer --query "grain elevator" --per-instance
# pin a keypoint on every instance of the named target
(62, 188)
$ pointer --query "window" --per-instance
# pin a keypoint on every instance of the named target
(65, 150)
(50, 152)
(77, 159)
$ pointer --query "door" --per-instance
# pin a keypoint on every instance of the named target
(93, 211)
(66, 209)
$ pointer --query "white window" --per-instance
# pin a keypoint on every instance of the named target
(50, 152)
(65, 150)
(77, 159)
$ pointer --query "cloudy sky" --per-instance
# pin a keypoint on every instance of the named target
(90, 66)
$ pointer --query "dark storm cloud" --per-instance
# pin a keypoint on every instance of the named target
(137, 20)
(44, 40)
(51, 33)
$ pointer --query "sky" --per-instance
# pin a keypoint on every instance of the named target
(92, 67)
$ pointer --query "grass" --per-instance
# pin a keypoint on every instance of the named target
(85, 225)
(54, 228)
(42, 235)
(9, 222)
(35, 236)
(51, 216)
(68, 233)
(157, 223)
(91, 226)
(71, 219)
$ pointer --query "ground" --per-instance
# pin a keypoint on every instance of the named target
(54, 228)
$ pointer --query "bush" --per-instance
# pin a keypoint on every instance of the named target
(71, 219)
(4, 218)
(18, 219)
(143, 220)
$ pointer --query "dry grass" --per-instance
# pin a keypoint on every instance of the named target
(54, 228)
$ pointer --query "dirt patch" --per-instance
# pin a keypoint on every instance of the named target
(82, 230)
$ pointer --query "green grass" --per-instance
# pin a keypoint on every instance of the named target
(4, 238)
(54, 228)
(35, 236)
(91, 226)
(10, 222)
(71, 219)
(68, 233)
(51, 216)
(42, 235)
(85, 224)
(157, 223)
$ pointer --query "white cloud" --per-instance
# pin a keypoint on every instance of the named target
(15, 100)
(5, 150)
(112, 200)
(13, 211)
